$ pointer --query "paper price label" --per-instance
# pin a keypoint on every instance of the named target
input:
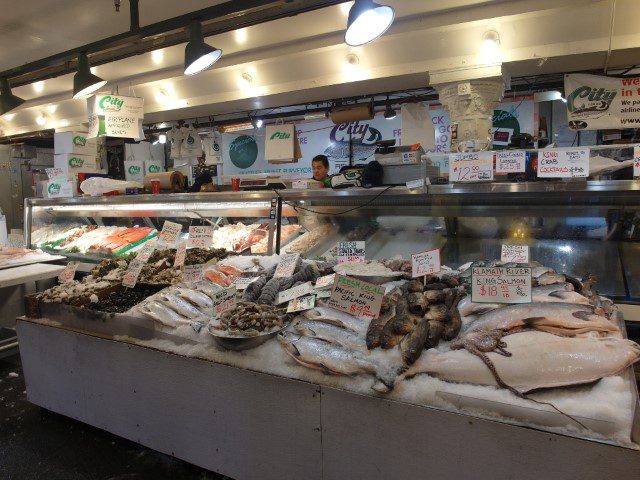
(471, 167)
(323, 294)
(181, 253)
(325, 282)
(145, 252)
(287, 265)
(133, 272)
(193, 273)
(241, 283)
(55, 173)
(303, 184)
(170, 232)
(68, 273)
(515, 253)
(636, 162)
(563, 163)
(15, 240)
(295, 292)
(351, 252)
(501, 285)
(511, 161)
(224, 300)
(301, 303)
(425, 263)
(200, 237)
(356, 297)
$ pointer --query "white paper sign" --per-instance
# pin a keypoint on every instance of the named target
(325, 282)
(323, 294)
(636, 162)
(59, 189)
(501, 285)
(193, 273)
(145, 252)
(425, 263)
(224, 300)
(295, 292)
(351, 252)
(287, 265)
(471, 167)
(241, 283)
(301, 303)
(511, 161)
(170, 232)
(181, 253)
(68, 273)
(563, 163)
(356, 297)
(200, 237)
(515, 253)
(120, 125)
(133, 272)
(303, 184)
(55, 173)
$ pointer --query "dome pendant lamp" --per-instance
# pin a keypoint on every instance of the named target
(367, 21)
(8, 101)
(85, 82)
(198, 55)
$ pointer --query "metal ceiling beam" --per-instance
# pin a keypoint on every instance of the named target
(217, 19)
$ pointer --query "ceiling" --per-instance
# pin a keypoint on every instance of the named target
(303, 58)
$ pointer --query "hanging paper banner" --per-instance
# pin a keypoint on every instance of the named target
(115, 116)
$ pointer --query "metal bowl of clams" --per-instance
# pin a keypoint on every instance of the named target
(237, 343)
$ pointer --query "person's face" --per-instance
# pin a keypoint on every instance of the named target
(320, 172)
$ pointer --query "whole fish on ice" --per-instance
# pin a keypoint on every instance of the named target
(339, 319)
(330, 333)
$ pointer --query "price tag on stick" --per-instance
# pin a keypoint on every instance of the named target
(181, 253)
(515, 253)
(193, 273)
(295, 292)
(224, 300)
(501, 285)
(145, 252)
(325, 282)
(425, 263)
(170, 232)
(241, 283)
(68, 273)
(133, 272)
(356, 297)
(287, 265)
(301, 303)
(200, 237)
(351, 252)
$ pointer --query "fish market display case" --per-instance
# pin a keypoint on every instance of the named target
(270, 412)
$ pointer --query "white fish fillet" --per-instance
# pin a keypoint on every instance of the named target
(539, 360)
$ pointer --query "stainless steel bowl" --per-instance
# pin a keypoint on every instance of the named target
(238, 343)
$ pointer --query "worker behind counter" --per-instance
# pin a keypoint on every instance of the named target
(320, 169)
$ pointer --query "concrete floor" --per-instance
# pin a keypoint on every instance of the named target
(38, 444)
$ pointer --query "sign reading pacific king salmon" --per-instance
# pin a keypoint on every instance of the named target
(595, 102)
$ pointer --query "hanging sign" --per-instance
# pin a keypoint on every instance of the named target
(133, 272)
(351, 252)
(170, 232)
(636, 161)
(356, 297)
(68, 273)
(287, 265)
(295, 292)
(563, 163)
(471, 167)
(193, 273)
(200, 237)
(115, 115)
(511, 161)
(224, 300)
(301, 303)
(121, 126)
(501, 285)
(515, 253)
(425, 263)
(181, 253)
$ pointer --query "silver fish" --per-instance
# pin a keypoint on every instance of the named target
(333, 359)
(539, 271)
(560, 318)
(206, 287)
(197, 298)
(181, 306)
(339, 319)
(160, 313)
(330, 333)
(550, 278)
(538, 360)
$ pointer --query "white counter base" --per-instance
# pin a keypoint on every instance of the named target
(250, 425)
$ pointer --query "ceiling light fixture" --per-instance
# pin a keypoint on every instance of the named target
(198, 56)
(8, 101)
(256, 122)
(367, 21)
(41, 120)
(162, 138)
(389, 113)
(85, 82)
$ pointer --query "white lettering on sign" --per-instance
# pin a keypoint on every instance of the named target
(515, 253)
(193, 273)
(356, 297)
(425, 263)
(636, 161)
(501, 285)
(303, 184)
(170, 232)
(511, 161)
(563, 163)
(181, 253)
(471, 167)
(241, 283)
(200, 237)
(55, 173)
(133, 272)
(224, 300)
(145, 252)
(295, 292)
(351, 252)
(301, 303)
(325, 282)
(287, 265)
(68, 273)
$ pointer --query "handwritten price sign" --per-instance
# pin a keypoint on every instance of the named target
(563, 163)
(500, 285)
(301, 303)
(515, 253)
(200, 237)
(511, 161)
(193, 273)
(68, 273)
(287, 265)
(425, 263)
(356, 297)
(471, 167)
(170, 232)
(133, 272)
(636, 162)
(224, 300)
(181, 253)
(351, 252)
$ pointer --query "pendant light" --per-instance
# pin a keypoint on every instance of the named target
(389, 113)
(8, 101)
(198, 55)
(85, 82)
(367, 21)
